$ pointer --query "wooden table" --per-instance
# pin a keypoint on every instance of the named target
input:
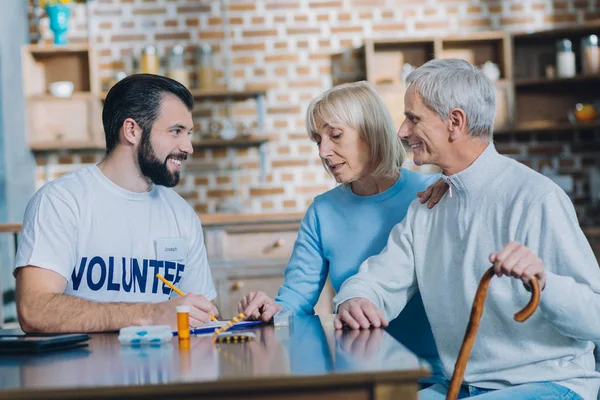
(309, 360)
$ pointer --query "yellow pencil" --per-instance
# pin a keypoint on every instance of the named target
(179, 292)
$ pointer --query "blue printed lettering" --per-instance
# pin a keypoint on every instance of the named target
(139, 275)
(98, 285)
(76, 276)
(115, 287)
(100, 273)
(157, 265)
(126, 285)
(179, 273)
(169, 276)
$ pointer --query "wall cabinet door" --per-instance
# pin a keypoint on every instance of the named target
(235, 288)
(238, 287)
(67, 121)
(250, 258)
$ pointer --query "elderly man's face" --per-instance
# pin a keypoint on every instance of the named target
(425, 133)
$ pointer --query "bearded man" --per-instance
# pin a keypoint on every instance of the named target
(93, 240)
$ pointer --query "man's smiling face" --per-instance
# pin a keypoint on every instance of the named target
(426, 134)
(167, 145)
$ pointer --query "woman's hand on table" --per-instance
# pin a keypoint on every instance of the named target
(258, 306)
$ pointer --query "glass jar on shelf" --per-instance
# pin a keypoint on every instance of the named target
(149, 61)
(176, 67)
(205, 71)
(565, 59)
(590, 54)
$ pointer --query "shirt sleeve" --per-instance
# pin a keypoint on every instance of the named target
(571, 298)
(197, 277)
(49, 236)
(307, 269)
(388, 279)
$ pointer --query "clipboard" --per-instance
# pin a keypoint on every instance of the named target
(211, 326)
(31, 344)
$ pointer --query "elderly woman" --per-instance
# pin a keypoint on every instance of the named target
(359, 146)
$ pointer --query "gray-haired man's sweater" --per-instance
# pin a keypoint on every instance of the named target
(444, 252)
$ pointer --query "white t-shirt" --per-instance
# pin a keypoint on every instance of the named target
(110, 243)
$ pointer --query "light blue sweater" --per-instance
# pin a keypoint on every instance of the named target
(339, 231)
(444, 252)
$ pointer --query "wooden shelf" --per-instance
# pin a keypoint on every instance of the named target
(224, 94)
(50, 49)
(204, 143)
(67, 145)
(546, 127)
(74, 96)
(592, 231)
(476, 36)
(587, 28)
(219, 94)
(253, 219)
(240, 142)
(546, 82)
(10, 227)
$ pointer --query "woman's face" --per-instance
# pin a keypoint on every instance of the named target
(343, 151)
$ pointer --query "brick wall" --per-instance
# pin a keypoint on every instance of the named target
(284, 46)
(593, 235)
(568, 153)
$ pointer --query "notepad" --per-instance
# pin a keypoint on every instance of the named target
(210, 327)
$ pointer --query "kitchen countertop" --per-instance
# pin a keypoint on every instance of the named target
(226, 219)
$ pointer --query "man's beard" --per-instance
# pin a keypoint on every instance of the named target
(152, 168)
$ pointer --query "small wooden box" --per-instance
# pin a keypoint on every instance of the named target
(44, 65)
(64, 123)
(389, 67)
(393, 98)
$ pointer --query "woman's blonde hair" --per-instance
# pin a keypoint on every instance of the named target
(358, 106)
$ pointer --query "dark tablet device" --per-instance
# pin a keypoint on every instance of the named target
(23, 344)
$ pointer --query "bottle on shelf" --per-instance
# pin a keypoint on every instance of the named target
(176, 67)
(591, 55)
(149, 61)
(565, 59)
(205, 68)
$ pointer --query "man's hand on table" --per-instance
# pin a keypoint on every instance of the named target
(359, 313)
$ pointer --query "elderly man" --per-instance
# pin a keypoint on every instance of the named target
(497, 211)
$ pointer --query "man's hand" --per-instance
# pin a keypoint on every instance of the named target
(164, 313)
(257, 305)
(519, 262)
(359, 313)
(433, 193)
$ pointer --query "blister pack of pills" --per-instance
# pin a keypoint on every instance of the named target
(235, 337)
(139, 335)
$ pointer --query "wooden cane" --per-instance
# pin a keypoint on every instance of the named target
(476, 311)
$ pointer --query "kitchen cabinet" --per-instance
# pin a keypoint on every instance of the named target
(70, 122)
(249, 254)
(403, 55)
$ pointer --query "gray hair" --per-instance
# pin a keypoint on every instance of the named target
(444, 84)
(358, 106)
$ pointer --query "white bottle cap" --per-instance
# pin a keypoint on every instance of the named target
(183, 309)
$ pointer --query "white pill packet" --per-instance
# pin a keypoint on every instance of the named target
(140, 335)
(283, 317)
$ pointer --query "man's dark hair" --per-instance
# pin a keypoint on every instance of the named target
(138, 97)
